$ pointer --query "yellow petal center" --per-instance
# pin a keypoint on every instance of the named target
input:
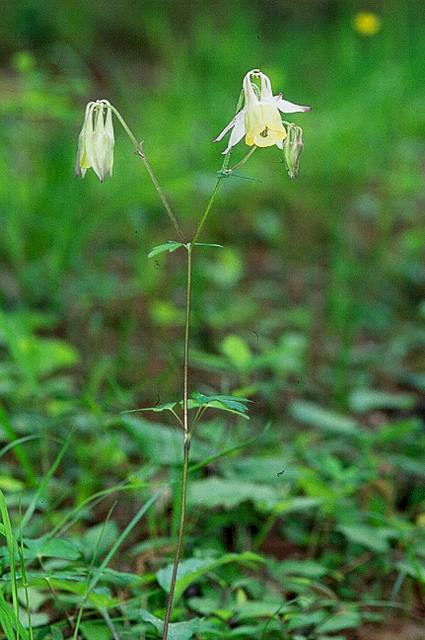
(263, 125)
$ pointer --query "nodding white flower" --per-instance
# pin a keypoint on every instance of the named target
(96, 141)
(259, 119)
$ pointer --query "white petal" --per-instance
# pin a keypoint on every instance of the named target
(78, 171)
(96, 144)
(109, 130)
(250, 95)
(82, 140)
(266, 87)
(289, 107)
(225, 130)
(238, 131)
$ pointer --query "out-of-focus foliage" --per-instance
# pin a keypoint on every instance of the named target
(306, 521)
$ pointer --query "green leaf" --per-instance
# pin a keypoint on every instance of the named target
(169, 246)
(44, 356)
(370, 537)
(56, 633)
(192, 569)
(254, 609)
(98, 539)
(316, 416)
(237, 351)
(162, 444)
(349, 619)
(363, 400)
(95, 631)
(233, 404)
(158, 408)
(176, 630)
(219, 492)
(208, 244)
(414, 568)
(300, 620)
(55, 548)
(306, 568)
(301, 503)
(9, 623)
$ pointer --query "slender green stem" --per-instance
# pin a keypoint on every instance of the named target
(186, 447)
(142, 155)
(208, 208)
(244, 159)
(187, 339)
(161, 194)
(223, 173)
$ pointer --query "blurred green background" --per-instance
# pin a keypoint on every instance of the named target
(314, 308)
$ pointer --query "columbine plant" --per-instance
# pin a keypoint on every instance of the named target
(258, 119)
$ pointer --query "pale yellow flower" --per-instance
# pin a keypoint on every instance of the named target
(259, 120)
(367, 23)
(96, 141)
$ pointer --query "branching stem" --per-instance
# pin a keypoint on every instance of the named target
(185, 423)
(138, 146)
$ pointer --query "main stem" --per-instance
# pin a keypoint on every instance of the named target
(186, 447)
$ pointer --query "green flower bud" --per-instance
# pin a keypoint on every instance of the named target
(292, 149)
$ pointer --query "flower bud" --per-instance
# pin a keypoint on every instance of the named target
(292, 149)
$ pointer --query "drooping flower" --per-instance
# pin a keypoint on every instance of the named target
(96, 141)
(259, 119)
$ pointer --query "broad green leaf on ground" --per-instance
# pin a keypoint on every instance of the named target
(95, 631)
(301, 620)
(161, 444)
(74, 583)
(363, 400)
(56, 548)
(37, 619)
(192, 569)
(248, 610)
(176, 630)
(228, 493)
(209, 605)
(254, 609)
(373, 538)
(306, 568)
(348, 619)
(406, 464)
(301, 503)
(316, 416)
(414, 568)
(98, 539)
(169, 246)
(237, 351)
(262, 469)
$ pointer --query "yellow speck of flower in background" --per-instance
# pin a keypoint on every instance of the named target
(367, 23)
